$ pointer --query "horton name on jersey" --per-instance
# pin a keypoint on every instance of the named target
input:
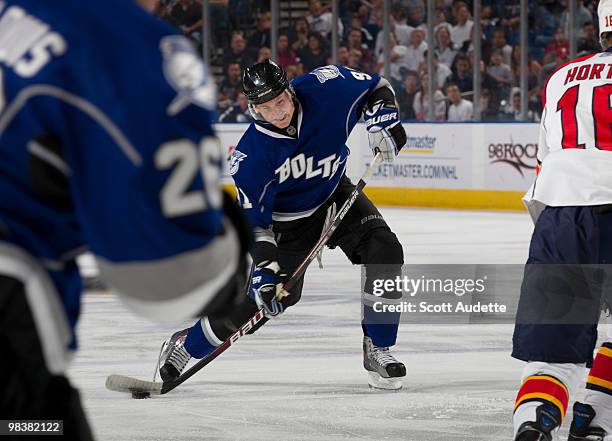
(301, 165)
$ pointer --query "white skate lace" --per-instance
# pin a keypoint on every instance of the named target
(178, 356)
(382, 356)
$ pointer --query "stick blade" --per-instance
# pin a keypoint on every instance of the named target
(122, 383)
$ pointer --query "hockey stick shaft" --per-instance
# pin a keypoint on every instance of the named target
(297, 274)
(327, 234)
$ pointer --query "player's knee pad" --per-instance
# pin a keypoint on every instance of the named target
(383, 247)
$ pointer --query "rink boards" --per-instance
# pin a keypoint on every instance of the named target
(447, 165)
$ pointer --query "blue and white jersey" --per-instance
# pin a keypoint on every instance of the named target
(106, 144)
(283, 178)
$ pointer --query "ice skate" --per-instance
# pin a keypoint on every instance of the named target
(548, 418)
(581, 429)
(384, 371)
(174, 357)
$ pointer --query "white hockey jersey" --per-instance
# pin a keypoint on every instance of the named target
(575, 144)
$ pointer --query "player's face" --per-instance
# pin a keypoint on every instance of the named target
(278, 111)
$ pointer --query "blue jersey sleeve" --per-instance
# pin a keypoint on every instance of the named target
(253, 174)
(348, 87)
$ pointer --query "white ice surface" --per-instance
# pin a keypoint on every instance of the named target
(301, 377)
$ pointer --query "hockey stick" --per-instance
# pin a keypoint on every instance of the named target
(121, 383)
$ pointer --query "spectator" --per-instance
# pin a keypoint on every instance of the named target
(499, 42)
(292, 72)
(261, 37)
(219, 19)
(512, 110)
(343, 56)
(488, 112)
(558, 50)
(231, 86)
(462, 75)
(416, 16)
(500, 73)
(398, 60)
(421, 102)
(487, 21)
(366, 36)
(462, 31)
(298, 36)
(582, 16)
(588, 43)
(379, 46)
(460, 109)
(547, 23)
(314, 54)
(363, 13)
(187, 16)
(485, 46)
(440, 20)
(354, 41)
(401, 29)
(238, 52)
(286, 56)
(239, 112)
(405, 97)
(264, 54)
(533, 70)
(240, 12)
(441, 71)
(375, 15)
(354, 59)
(444, 49)
(416, 50)
(320, 20)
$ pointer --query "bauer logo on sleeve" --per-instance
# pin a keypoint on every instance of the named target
(187, 74)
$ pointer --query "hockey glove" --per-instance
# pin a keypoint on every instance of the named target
(385, 132)
(267, 290)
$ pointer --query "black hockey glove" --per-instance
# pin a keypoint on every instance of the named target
(267, 288)
(385, 131)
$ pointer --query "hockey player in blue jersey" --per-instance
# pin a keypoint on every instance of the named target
(289, 170)
(105, 144)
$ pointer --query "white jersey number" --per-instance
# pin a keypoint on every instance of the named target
(175, 197)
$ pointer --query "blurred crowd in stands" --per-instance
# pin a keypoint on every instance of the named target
(241, 36)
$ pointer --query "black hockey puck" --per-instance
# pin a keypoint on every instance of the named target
(140, 395)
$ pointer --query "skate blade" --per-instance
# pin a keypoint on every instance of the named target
(377, 382)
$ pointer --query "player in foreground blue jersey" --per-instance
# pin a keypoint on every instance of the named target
(289, 170)
(105, 144)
